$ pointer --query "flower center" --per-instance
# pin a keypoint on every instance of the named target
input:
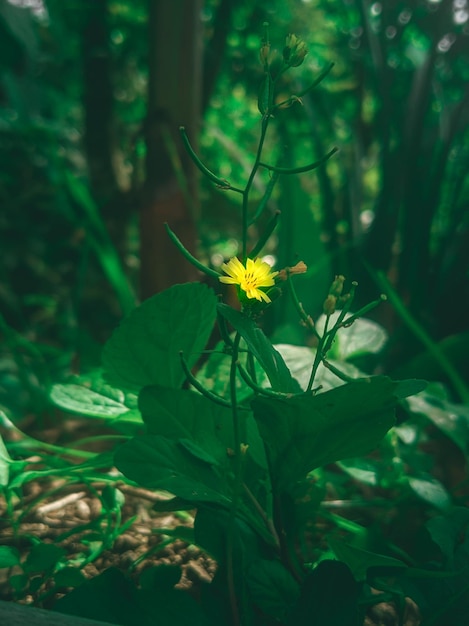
(249, 281)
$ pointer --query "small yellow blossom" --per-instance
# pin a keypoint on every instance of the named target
(250, 278)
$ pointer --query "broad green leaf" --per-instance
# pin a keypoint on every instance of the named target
(187, 452)
(110, 597)
(363, 563)
(43, 558)
(450, 532)
(305, 432)
(272, 588)
(94, 380)
(328, 596)
(299, 361)
(410, 387)
(363, 337)
(452, 419)
(157, 462)
(9, 556)
(78, 399)
(430, 490)
(199, 425)
(145, 348)
(69, 577)
(270, 359)
(215, 375)
(361, 469)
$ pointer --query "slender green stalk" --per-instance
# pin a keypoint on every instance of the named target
(237, 483)
(418, 330)
(260, 390)
(247, 189)
(197, 385)
(29, 443)
(268, 522)
(337, 372)
(187, 255)
(265, 198)
(305, 318)
(297, 98)
(220, 182)
(302, 168)
(271, 226)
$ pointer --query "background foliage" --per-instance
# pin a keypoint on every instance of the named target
(91, 164)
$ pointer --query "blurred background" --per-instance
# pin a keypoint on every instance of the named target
(91, 97)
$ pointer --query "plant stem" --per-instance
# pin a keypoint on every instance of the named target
(421, 334)
(237, 483)
(247, 189)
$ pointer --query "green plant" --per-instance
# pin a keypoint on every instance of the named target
(244, 433)
(241, 453)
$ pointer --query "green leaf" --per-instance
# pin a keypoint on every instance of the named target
(272, 588)
(451, 419)
(145, 348)
(43, 558)
(450, 532)
(89, 469)
(9, 557)
(299, 361)
(410, 387)
(5, 462)
(202, 427)
(94, 380)
(99, 240)
(161, 463)
(361, 469)
(109, 597)
(431, 490)
(305, 432)
(77, 399)
(69, 577)
(363, 563)
(363, 337)
(328, 597)
(184, 533)
(271, 360)
(214, 375)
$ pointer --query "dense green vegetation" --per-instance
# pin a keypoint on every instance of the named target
(328, 139)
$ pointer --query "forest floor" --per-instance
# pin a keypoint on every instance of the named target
(63, 518)
(71, 515)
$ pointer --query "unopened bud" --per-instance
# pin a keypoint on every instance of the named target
(329, 304)
(294, 51)
(264, 53)
(337, 286)
(299, 268)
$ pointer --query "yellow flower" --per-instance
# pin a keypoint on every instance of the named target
(251, 279)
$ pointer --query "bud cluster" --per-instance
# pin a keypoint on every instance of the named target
(294, 51)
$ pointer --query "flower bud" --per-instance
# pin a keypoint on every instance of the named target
(264, 54)
(329, 304)
(337, 286)
(299, 268)
(294, 51)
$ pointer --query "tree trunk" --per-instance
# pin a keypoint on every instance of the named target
(98, 102)
(174, 95)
